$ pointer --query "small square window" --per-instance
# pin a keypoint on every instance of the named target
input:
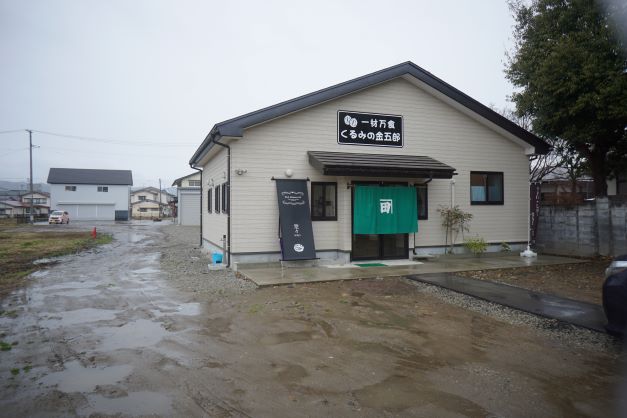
(217, 199)
(486, 188)
(103, 189)
(225, 198)
(70, 188)
(141, 198)
(323, 201)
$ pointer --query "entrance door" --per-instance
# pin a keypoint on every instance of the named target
(379, 246)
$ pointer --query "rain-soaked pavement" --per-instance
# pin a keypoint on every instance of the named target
(103, 333)
(583, 314)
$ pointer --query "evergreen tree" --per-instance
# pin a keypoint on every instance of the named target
(571, 70)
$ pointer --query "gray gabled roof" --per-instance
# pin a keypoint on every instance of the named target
(235, 127)
(90, 176)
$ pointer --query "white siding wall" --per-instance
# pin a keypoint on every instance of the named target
(214, 224)
(431, 128)
(193, 177)
(88, 194)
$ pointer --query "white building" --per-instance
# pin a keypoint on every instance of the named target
(188, 199)
(150, 202)
(89, 194)
(397, 126)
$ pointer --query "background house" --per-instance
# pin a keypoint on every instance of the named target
(90, 194)
(17, 203)
(557, 188)
(145, 203)
(188, 199)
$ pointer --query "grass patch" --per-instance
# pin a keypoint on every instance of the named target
(15, 371)
(4, 346)
(254, 309)
(19, 247)
(10, 314)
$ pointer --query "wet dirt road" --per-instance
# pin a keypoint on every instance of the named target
(105, 333)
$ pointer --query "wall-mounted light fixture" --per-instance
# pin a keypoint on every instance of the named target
(289, 172)
(241, 171)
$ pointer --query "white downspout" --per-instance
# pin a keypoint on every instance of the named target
(528, 252)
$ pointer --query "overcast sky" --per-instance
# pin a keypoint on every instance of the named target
(150, 78)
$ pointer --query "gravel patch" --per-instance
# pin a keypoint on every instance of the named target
(186, 266)
(568, 334)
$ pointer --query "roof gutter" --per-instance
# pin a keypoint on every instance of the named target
(205, 146)
(228, 203)
(200, 171)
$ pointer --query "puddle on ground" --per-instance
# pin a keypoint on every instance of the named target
(136, 237)
(78, 316)
(71, 285)
(47, 261)
(136, 403)
(288, 337)
(189, 309)
(77, 293)
(186, 309)
(140, 333)
(40, 273)
(146, 270)
(76, 378)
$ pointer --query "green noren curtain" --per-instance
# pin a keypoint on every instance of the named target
(385, 210)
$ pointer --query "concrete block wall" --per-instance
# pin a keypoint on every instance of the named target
(593, 228)
(618, 225)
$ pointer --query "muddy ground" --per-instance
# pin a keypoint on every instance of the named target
(140, 328)
(583, 281)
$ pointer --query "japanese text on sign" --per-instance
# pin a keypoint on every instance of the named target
(356, 128)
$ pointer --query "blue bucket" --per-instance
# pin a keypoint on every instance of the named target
(216, 258)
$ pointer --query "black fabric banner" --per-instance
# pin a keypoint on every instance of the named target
(297, 242)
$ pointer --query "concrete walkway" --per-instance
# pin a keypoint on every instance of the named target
(273, 275)
(583, 314)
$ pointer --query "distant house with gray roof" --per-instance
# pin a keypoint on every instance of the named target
(90, 194)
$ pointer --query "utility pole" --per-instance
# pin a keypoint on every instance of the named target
(30, 150)
(160, 194)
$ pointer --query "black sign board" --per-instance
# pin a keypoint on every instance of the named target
(297, 241)
(354, 128)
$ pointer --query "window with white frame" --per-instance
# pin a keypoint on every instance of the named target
(104, 189)
(70, 188)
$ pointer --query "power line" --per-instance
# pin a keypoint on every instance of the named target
(11, 151)
(117, 141)
(56, 150)
(12, 131)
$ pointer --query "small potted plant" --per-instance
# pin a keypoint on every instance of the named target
(476, 245)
